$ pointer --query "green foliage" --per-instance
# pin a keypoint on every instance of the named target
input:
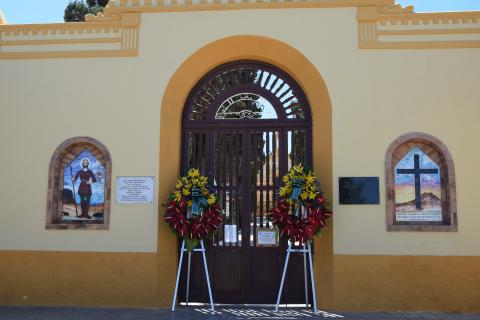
(97, 3)
(191, 243)
(95, 10)
(77, 9)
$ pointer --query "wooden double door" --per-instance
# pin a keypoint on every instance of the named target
(246, 165)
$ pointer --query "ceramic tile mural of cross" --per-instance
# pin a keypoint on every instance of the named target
(417, 171)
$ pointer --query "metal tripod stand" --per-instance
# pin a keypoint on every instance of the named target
(306, 250)
(183, 250)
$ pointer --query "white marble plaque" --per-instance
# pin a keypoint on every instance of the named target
(230, 234)
(135, 190)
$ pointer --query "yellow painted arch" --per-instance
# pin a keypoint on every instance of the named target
(282, 55)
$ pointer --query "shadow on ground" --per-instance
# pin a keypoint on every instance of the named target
(199, 313)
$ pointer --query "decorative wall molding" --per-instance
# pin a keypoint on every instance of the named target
(193, 5)
(112, 36)
(392, 9)
(381, 25)
(395, 27)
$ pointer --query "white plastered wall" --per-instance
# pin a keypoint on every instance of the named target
(45, 102)
(376, 96)
(392, 93)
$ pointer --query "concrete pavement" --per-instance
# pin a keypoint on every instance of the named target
(222, 312)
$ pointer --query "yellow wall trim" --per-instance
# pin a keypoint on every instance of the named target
(60, 41)
(406, 283)
(56, 278)
(69, 54)
(401, 28)
(199, 5)
(423, 45)
(381, 25)
(362, 283)
(38, 41)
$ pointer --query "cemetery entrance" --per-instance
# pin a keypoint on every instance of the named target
(244, 125)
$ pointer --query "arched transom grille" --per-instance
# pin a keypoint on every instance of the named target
(247, 90)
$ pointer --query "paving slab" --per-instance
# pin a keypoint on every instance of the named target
(224, 312)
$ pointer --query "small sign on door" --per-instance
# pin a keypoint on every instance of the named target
(230, 235)
(267, 237)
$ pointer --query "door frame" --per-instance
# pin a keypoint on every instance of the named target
(272, 83)
(190, 69)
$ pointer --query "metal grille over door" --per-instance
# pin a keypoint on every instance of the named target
(244, 125)
(229, 180)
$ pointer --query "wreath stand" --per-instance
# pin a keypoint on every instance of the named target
(183, 250)
(307, 249)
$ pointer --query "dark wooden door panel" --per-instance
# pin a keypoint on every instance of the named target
(198, 289)
(245, 162)
(294, 292)
(227, 271)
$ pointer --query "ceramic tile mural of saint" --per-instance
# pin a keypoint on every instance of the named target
(83, 190)
(418, 192)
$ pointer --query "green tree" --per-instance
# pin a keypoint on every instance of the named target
(95, 10)
(77, 9)
(99, 3)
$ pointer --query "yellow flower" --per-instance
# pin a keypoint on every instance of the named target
(194, 173)
(310, 179)
(212, 199)
(179, 184)
(186, 192)
(189, 203)
(284, 191)
(298, 168)
(285, 178)
(177, 196)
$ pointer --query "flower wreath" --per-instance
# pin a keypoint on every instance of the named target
(192, 209)
(301, 189)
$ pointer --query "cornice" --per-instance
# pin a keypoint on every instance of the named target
(381, 25)
(400, 28)
(116, 6)
(112, 36)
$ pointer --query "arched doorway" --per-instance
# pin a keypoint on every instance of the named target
(244, 124)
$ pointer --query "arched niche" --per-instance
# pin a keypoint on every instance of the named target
(420, 185)
(69, 185)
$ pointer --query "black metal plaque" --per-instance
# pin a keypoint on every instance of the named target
(359, 190)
